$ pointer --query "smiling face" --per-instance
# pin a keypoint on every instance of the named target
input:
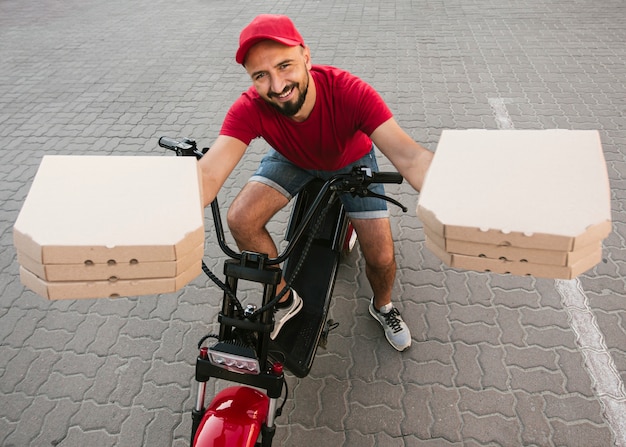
(280, 75)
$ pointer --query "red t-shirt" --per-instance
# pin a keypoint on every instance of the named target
(336, 133)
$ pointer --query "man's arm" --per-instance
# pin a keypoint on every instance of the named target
(217, 164)
(409, 158)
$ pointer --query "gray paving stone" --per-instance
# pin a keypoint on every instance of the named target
(492, 429)
(468, 370)
(494, 360)
(34, 419)
(580, 434)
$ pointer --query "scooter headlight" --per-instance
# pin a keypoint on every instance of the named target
(239, 359)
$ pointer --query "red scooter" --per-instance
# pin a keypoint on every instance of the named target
(242, 352)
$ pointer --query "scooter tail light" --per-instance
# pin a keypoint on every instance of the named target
(277, 369)
(239, 359)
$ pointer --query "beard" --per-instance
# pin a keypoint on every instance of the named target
(289, 109)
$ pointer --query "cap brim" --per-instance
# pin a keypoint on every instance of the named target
(240, 56)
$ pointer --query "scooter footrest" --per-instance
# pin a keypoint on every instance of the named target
(298, 339)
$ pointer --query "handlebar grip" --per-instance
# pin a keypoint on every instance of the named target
(386, 177)
(174, 145)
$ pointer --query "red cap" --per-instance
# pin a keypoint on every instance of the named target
(267, 26)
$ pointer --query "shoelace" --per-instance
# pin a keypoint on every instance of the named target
(393, 320)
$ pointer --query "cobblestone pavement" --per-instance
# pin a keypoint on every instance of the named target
(496, 360)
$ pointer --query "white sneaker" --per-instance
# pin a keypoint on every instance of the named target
(396, 330)
(282, 315)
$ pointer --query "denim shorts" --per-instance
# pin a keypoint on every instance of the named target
(281, 174)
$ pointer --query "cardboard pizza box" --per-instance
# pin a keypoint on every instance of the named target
(128, 213)
(112, 270)
(509, 253)
(519, 268)
(59, 290)
(529, 195)
(103, 208)
(544, 189)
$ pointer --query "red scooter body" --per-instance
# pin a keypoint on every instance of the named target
(234, 418)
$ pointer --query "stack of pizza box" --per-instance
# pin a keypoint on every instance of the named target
(108, 226)
(524, 202)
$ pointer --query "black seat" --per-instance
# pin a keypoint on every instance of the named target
(298, 339)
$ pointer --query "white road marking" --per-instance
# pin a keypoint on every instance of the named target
(607, 383)
(503, 120)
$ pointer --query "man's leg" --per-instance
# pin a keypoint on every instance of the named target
(376, 244)
(249, 214)
(247, 218)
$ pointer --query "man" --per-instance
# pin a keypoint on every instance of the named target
(318, 120)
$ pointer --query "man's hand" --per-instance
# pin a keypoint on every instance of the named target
(218, 163)
(410, 158)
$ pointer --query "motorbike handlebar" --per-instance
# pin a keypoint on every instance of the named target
(184, 147)
(355, 182)
(386, 177)
(173, 144)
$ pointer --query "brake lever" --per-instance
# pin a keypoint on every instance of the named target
(363, 191)
(192, 150)
(369, 193)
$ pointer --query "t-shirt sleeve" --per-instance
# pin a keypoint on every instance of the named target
(240, 120)
(372, 109)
